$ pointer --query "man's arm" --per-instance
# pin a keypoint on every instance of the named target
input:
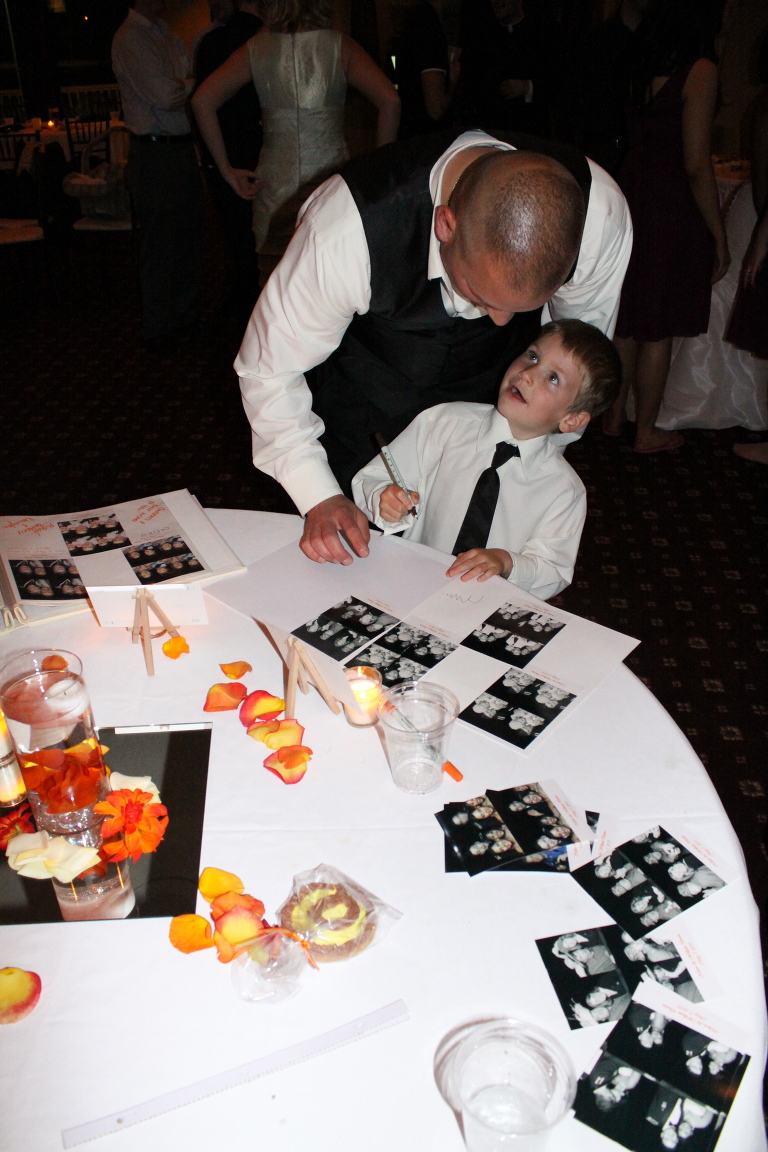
(594, 292)
(299, 320)
(137, 58)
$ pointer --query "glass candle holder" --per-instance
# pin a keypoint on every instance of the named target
(12, 788)
(366, 688)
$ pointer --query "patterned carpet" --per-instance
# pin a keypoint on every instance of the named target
(673, 551)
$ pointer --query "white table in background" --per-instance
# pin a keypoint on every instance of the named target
(125, 1017)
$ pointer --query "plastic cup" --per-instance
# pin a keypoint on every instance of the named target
(416, 719)
(511, 1082)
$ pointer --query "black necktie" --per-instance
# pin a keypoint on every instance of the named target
(479, 515)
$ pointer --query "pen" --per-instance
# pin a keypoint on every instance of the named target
(393, 470)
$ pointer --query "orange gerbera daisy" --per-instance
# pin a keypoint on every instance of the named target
(15, 822)
(135, 814)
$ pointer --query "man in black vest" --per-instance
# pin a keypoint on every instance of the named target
(415, 277)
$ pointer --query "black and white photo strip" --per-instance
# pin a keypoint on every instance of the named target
(660, 1084)
(672, 866)
(596, 971)
(345, 628)
(517, 708)
(406, 653)
(649, 880)
(513, 635)
(92, 534)
(162, 560)
(517, 827)
(51, 580)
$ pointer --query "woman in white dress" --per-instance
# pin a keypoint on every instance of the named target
(301, 68)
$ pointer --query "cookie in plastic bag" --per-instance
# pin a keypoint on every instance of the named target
(337, 917)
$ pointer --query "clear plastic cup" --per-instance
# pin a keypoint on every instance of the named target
(511, 1083)
(416, 719)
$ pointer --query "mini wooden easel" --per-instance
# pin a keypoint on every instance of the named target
(142, 630)
(301, 670)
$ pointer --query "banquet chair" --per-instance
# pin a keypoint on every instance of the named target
(19, 235)
(113, 214)
(83, 132)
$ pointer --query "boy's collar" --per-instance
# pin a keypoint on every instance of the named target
(532, 452)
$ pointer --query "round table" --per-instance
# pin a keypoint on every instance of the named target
(125, 1017)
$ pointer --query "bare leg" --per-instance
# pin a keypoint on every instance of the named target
(757, 453)
(650, 378)
(616, 414)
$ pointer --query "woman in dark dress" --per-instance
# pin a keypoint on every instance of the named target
(680, 248)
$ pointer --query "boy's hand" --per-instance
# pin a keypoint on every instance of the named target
(393, 503)
(481, 563)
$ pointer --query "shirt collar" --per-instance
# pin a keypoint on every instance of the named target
(435, 270)
(495, 428)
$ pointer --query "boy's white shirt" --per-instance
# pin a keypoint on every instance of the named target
(542, 502)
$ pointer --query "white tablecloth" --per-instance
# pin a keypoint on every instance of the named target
(124, 1017)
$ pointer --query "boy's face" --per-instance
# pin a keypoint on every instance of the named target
(539, 388)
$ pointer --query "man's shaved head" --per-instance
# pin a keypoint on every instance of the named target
(525, 211)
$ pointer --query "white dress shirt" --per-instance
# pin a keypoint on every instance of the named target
(542, 502)
(153, 69)
(324, 278)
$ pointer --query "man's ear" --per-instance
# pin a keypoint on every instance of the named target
(574, 421)
(445, 224)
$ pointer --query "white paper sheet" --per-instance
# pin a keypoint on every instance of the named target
(182, 604)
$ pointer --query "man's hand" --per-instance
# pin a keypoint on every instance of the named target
(481, 563)
(244, 182)
(393, 503)
(322, 527)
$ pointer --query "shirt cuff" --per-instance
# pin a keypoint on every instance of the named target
(310, 484)
(523, 571)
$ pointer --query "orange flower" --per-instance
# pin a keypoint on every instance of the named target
(175, 647)
(224, 697)
(236, 670)
(138, 817)
(15, 822)
(260, 705)
(190, 933)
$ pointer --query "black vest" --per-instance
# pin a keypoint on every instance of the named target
(406, 353)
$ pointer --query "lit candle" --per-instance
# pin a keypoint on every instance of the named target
(366, 688)
(12, 790)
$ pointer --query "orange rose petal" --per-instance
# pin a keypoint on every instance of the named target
(239, 926)
(236, 670)
(288, 733)
(290, 764)
(224, 697)
(215, 881)
(225, 949)
(54, 664)
(262, 728)
(260, 705)
(175, 647)
(229, 900)
(190, 933)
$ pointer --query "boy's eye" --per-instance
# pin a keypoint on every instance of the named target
(533, 356)
(554, 378)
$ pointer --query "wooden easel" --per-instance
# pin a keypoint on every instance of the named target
(301, 671)
(142, 630)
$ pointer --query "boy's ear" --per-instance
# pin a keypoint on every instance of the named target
(574, 421)
(445, 224)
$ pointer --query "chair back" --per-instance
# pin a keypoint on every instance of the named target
(12, 145)
(12, 105)
(98, 102)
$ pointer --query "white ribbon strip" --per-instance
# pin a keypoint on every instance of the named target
(396, 1013)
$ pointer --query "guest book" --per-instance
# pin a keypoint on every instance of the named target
(47, 563)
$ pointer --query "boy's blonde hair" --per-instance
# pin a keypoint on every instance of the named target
(598, 359)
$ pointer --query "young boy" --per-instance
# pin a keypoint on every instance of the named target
(516, 511)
